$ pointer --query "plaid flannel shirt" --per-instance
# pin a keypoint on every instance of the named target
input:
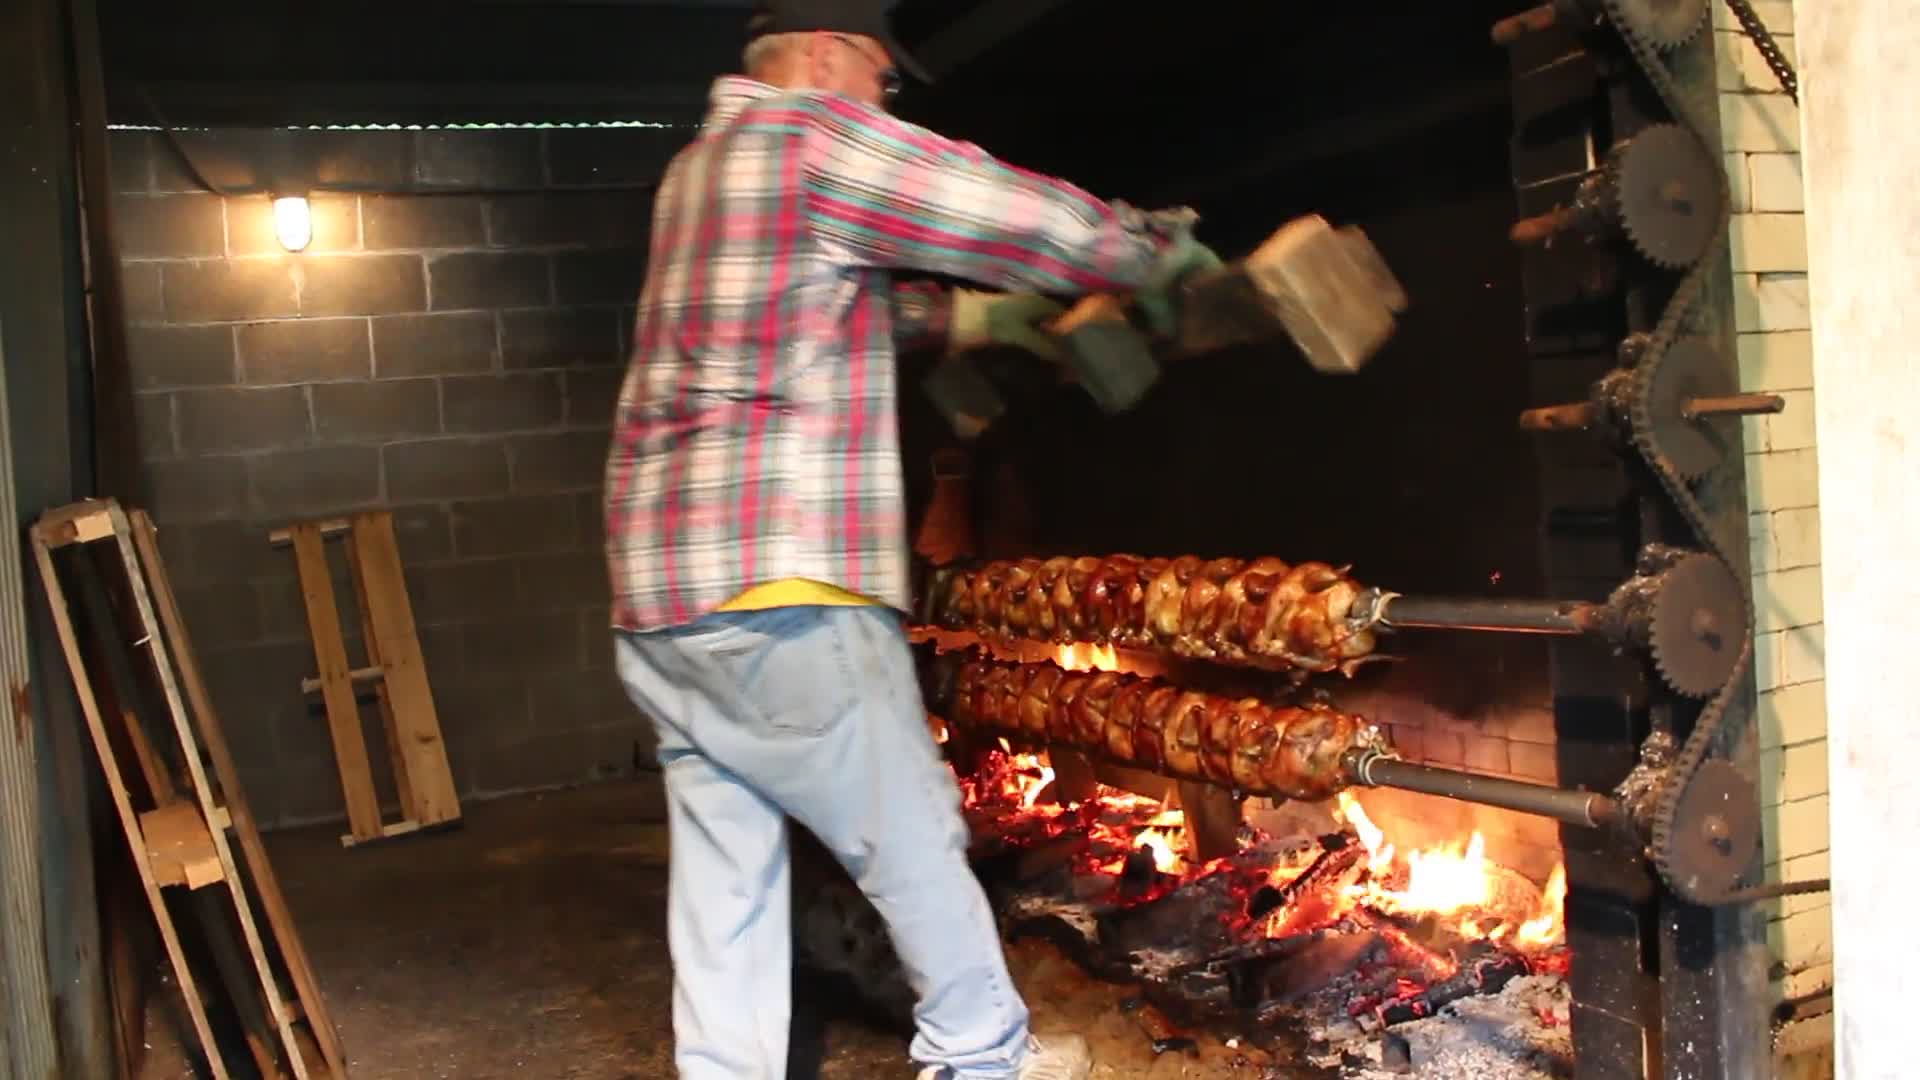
(756, 438)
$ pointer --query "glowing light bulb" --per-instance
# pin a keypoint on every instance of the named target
(293, 221)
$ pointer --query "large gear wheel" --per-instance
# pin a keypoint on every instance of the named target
(1693, 446)
(1714, 833)
(1697, 625)
(1665, 24)
(1667, 191)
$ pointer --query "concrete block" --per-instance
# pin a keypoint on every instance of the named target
(1772, 362)
(130, 161)
(1531, 761)
(472, 159)
(229, 290)
(483, 711)
(323, 480)
(472, 280)
(1761, 556)
(251, 231)
(566, 581)
(524, 643)
(569, 219)
(361, 159)
(462, 591)
(375, 411)
(564, 461)
(497, 403)
(423, 533)
(140, 291)
(1739, 187)
(1786, 599)
(1797, 828)
(1792, 714)
(232, 550)
(187, 490)
(1770, 301)
(1803, 771)
(162, 357)
(599, 277)
(1803, 654)
(414, 222)
(1740, 68)
(304, 350)
(589, 512)
(1766, 662)
(1775, 182)
(559, 337)
(220, 614)
(233, 419)
(169, 226)
(1759, 123)
(1782, 480)
(283, 611)
(1797, 537)
(521, 525)
(613, 155)
(445, 469)
(592, 395)
(597, 623)
(153, 416)
(1802, 940)
(1792, 428)
(1485, 753)
(1769, 243)
(406, 345)
(361, 284)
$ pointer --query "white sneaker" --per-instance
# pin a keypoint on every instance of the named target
(1057, 1057)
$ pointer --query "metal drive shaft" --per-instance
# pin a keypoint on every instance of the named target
(1371, 768)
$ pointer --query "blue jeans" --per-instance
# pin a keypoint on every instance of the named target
(813, 713)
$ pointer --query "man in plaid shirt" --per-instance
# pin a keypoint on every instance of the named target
(756, 538)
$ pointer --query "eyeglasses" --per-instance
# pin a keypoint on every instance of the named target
(890, 80)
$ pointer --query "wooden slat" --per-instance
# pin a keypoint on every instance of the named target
(358, 675)
(393, 645)
(329, 527)
(180, 846)
(123, 806)
(403, 780)
(202, 789)
(159, 781)
(336, 686)
(258, 870)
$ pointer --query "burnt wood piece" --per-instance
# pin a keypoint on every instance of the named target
(1213, 816)
(1162, 1033)
(1488, 975)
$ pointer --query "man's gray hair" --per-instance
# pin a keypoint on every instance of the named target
(764, 52)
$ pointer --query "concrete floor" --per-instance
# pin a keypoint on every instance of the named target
(531, 943)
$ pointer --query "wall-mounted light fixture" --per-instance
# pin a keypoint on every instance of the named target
(293, 221)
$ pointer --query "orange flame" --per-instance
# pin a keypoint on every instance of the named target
(1550, 926)
(1087, 658)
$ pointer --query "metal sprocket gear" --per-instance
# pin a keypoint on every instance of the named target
(1665, 24)
(1667, 195)
(1697, 625)
(1693, 446)
(1715, 831)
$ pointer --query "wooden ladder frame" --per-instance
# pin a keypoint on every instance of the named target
(182, 841)
(421, 775)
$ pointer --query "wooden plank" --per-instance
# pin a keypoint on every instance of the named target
(237, 813)
(343, 713)
(123, 806)
(393, 645)
(370, 633)
(398, 828)
(1213, 819)
(202, 789)
(159, 780)
(180, 846)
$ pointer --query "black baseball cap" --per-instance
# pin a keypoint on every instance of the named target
(868, 18)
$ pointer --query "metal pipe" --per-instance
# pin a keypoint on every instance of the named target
(1565, 617)
(1371, 768)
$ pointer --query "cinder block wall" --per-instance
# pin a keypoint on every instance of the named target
(451, 351)
(1761, 131)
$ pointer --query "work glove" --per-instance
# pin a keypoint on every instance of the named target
(987, 318)
(1158, 297)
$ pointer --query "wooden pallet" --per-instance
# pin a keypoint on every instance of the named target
(177, 818)
(394, 667)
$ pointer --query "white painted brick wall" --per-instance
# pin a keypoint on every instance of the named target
(1768, 248)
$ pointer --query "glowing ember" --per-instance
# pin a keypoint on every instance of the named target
(1087, 658)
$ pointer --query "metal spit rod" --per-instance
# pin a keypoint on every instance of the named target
(1565, 617)
(1374, 769)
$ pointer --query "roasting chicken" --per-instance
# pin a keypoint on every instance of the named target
(1277, 751)
(1260, 612)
